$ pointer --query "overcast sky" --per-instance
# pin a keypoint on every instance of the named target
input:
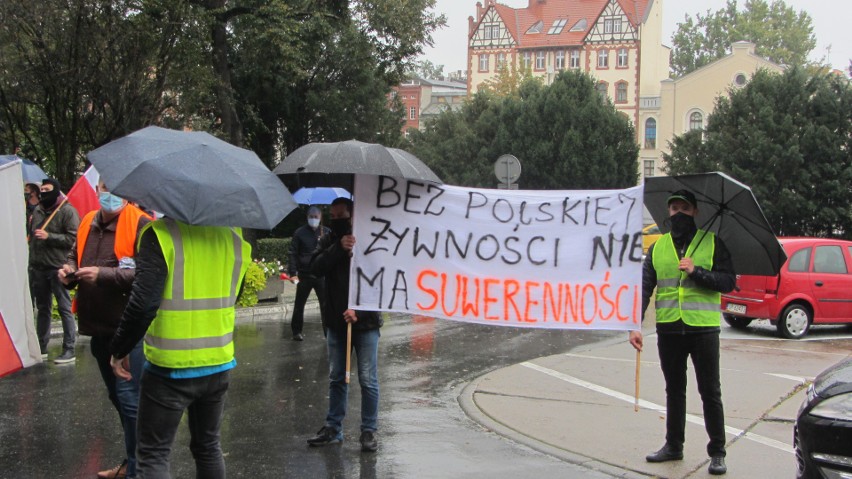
(831, 20)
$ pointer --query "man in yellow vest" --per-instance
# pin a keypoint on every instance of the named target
(102, 268)
(182, 302)
(689, 268)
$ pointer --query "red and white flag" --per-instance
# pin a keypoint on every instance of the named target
(84, 194)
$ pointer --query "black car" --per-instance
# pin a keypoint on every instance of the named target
(823, 432)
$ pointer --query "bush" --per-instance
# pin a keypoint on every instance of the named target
(272, 249)
(255, 280)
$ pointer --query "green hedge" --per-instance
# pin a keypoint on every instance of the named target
(272, 249)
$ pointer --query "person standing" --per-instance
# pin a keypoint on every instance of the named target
(182, 302)
(302, 248)
(690, 268)
(102, 268)
(31, 191)
(50, 244)
(332, 261)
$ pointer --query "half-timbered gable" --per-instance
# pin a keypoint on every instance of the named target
(492, 32)
(613, 26)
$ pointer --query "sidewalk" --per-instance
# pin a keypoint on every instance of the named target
(579, 406)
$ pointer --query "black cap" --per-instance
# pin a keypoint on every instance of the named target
(683, 195)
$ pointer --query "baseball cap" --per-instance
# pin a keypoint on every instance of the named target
(683, 195)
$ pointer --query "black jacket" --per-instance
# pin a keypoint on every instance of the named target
(51, 253)
(332, 262)
(302, 249)
(721, 278)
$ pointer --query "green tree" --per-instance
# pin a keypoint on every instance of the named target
(779, 32)
(788, 136)
(509, 79)
(425, 69)
(564, 135)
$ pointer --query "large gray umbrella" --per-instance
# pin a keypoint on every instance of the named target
(333, 164)
(31, 172)
(193, 177)
(729, 209)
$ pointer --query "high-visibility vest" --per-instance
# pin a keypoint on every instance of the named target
(125, 232)
(194, 326)
(678, 297)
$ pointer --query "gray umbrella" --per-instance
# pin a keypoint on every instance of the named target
(333, 164)
(725, 207)
(31, 172)
(193, 177)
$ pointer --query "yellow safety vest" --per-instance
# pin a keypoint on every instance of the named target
(194, 326)
(678, 297)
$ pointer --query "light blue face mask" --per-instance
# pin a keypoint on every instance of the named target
(109, 202)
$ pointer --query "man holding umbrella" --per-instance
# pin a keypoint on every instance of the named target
(689, 268)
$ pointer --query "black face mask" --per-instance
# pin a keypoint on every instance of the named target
(48, 198)
(683, 226)
(340, 226)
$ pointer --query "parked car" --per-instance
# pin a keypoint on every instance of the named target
(650, 235)
(813, 287)
(822, 435)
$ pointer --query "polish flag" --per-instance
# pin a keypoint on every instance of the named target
(84, 194)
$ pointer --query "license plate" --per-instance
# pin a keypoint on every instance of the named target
(736, 308)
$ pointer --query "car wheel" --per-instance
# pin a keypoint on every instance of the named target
(736, 322)
(794, 321)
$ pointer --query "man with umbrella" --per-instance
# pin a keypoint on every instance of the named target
(332, 261)
(302, 248)
(689, 268)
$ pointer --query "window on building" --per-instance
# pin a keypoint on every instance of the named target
(557, 26)
(539, 60)
(560, 60)
(621, 92)
(602, 87)
(486, 32)
(536, 28)
(603, 58)
(608, 25)
(650, 134)
(527, 60)
(616, 25)
(483, 63)
(412, 113)
(501, 60)
(580, 26)
(696, 121)
(495, 32)
(740, 79)
(649, 169)
(575, 58)
(622, 58)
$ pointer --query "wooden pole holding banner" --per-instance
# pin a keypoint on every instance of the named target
(636, 403)
(348, 350)
(50, 218)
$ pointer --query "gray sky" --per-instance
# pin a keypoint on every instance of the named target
(830, 21)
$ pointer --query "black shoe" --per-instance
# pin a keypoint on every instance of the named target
(326, 436)
(298, 337)
(369, 442)
(666, 453)
(67, 356)
(717, 466)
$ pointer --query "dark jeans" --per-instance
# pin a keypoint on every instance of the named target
(123, 394)
(366, 346)
(704, 349)
(303, 290)
(45, 285)
(161, 405)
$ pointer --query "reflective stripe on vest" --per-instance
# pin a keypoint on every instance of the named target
(678, 296)
(194, 326)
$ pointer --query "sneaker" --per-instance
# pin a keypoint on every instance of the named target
(326, 436)
(369, 442)
(298, 337)
(67, 356)
(117, 472)
(717, 466)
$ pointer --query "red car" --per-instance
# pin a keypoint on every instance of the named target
(814, 287)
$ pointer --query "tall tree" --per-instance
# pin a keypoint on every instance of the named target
(425, 69)
(564, 134)
(788, 136)
(779, 32)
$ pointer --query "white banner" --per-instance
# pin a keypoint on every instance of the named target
(542, 259)
(18, 342)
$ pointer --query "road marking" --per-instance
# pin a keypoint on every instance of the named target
(654, 407)
(798, 379)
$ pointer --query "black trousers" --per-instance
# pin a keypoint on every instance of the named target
(303, 290)
(704, 348)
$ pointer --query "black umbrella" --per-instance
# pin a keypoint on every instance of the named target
(725, 207)
(193, 177)
(334, 164)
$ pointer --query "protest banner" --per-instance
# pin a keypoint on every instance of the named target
(542, 259)
(18, 343)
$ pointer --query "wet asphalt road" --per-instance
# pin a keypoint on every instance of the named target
(56, 421)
